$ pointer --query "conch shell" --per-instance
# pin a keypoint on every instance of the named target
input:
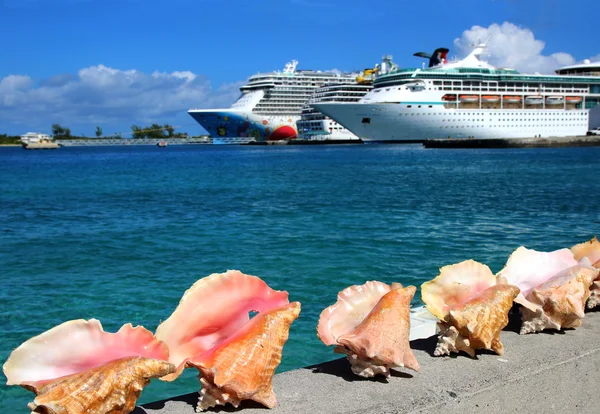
(472, 307)
(527, 268)
(211, 330)
(77, 367)
(242, 367)
(591, 251)
(112, 388)
(371, 325)
(559, 302)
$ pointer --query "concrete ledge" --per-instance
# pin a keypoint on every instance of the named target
(552, 142)
(545, 372)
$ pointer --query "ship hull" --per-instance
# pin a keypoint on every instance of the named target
(238, 127)
(404, 123)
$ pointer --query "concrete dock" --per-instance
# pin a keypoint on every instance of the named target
(551, 142)
(556, 372)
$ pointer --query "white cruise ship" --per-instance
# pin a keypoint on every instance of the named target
(313, 125)
(471, 98)
(269, 106)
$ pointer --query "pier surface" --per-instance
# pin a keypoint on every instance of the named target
(552, 142)
(545, 372)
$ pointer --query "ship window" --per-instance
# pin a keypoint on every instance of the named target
(366, 120)
(409, 106)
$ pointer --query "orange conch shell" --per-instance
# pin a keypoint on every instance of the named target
(455, 285)
(371, 325)
(559, 302)
(352, 307)
(591, 250)
(111, 388)
(471, 306)
(211, 311)
(242, 367)
(477, 323)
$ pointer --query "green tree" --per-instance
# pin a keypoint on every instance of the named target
(98, 132)
(155, 131)
(137, 132)
(60, 132)
(170, 130)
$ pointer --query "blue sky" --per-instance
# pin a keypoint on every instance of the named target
(115, 63)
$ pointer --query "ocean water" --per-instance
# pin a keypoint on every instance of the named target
(119, 233)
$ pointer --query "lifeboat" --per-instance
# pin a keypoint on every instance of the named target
(468, 98)
(534, 100)
(574, 99)
(512, 99)
(449, 98)
(554, 100)
(490, 98)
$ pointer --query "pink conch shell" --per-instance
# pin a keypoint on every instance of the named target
(471, 307)
(527, 268)
(112, 388)
(76, 367)
(76, 346)
(477, 323)
(455, 285)
(242, 367)
(211, 311)
(591, 250)
(559, 302)
(375, 334)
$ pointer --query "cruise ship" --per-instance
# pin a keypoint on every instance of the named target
(470, 98)
(313, 125)
(269, 106)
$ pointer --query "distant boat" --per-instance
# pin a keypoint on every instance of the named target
(161, 144)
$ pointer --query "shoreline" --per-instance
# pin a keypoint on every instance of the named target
(550, 371)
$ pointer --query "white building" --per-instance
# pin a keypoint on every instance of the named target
(34, 137)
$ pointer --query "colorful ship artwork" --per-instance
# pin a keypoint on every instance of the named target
(269, 106)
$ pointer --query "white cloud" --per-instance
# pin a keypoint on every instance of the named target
(595, 58)
(514, 47)
(100, 95)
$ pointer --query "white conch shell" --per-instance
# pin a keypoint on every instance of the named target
(559, 302)
(591, 251)
(527, 268)
(372, 327)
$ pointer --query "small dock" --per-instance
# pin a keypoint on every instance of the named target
(550, 142)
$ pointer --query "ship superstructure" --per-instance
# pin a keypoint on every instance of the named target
(313, 125)
(269, 106)
(471, 98)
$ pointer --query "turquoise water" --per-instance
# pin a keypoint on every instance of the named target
(119, 234)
